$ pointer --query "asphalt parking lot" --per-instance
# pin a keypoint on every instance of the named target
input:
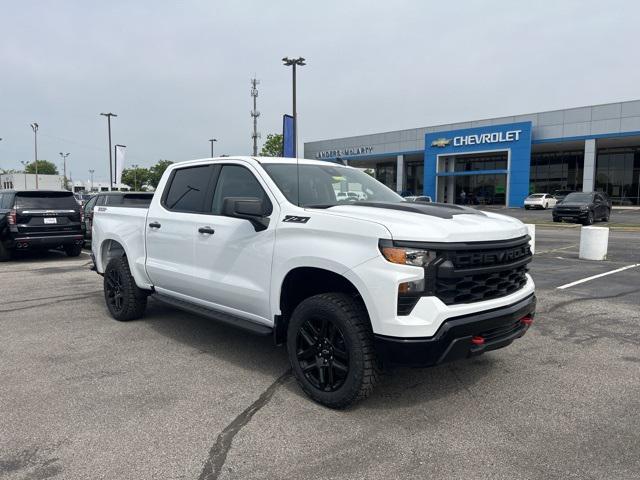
(175, 396)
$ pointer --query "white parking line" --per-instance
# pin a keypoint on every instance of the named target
(597, 276)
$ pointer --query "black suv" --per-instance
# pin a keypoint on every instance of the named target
(585, 207)
(32, 219)
(113, 199)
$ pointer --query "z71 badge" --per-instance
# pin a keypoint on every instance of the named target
(295, 219)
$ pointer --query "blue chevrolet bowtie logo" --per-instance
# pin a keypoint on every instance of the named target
(441, 142)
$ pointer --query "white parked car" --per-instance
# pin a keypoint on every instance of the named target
(347, 287)
(540, 200)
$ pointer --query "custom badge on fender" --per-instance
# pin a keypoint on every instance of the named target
(295, 219)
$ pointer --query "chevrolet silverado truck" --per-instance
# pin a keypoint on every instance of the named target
(348, 284)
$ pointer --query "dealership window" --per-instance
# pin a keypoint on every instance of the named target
(551, 171)
(486, 161)
(618, 174)
(386, 173)
(414, 176)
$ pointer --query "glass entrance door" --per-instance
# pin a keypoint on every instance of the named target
(480, 189)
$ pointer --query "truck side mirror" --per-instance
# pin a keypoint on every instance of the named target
(252, 209)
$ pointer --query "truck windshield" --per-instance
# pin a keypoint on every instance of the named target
(328, 185)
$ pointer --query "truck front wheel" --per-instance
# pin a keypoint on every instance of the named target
(331, 349)
(124, 299)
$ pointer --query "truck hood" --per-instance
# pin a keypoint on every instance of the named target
(434, 222)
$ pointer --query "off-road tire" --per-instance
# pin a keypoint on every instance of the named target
(73, 250)
(349, 315)
(133, 300)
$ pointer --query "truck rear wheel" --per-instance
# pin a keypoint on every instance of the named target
(124, 299)
(331, 349)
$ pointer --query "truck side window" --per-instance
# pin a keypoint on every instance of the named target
(236, 181)
(88, 207)
(188, 189)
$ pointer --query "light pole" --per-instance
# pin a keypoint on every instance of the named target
(24, 167)
(34, 127)
(135, 176)
(115, 160)
(91, 173)
(293, 62)
(211, 140)
(109, 115)
(64, 167)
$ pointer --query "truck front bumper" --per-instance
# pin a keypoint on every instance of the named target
(460, 337)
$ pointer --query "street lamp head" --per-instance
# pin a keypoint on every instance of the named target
(109, 114)
(213, 139)
(34, 126)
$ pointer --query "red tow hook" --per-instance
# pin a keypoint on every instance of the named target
(477, 340)
(527, 320)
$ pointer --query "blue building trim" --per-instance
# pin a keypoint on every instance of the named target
(513, 137)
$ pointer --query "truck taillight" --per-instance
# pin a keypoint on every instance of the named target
(11, 218)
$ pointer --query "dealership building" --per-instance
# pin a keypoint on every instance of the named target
(501, 160)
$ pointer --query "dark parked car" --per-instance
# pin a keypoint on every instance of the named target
(31, 219)
(113, 199)
(561, 194)
(583, 207)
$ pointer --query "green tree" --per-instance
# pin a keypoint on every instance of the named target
(44, 168)
(273, 146)
(156, 171)
(136, 178)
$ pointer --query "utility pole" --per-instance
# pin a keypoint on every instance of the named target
(255, 114)
(293, 62)
(135, 176)
(109, 115)
(34, 127)
(64, 168)
(91, 173)
(211, 140)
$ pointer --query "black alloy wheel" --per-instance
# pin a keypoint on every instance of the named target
(113, 291)
(125, 300)
(322, 354)
(331, 349)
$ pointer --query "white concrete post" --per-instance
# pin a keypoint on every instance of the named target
(400, 173)
(532, 233)
(589, 172)
(594, 242)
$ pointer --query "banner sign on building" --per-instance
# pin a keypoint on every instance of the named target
(288, 137)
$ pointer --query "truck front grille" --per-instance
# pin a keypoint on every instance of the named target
(477, 272)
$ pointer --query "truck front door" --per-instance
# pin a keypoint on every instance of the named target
(233, 263)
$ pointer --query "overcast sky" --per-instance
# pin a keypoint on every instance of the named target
(177, 73)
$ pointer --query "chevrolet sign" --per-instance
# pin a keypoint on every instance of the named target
(495, 137)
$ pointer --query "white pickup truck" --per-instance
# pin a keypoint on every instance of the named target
(348, 284)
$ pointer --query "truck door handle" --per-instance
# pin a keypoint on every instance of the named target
(154, 225)
(207, 230)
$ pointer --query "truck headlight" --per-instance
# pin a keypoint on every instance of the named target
(408, 256)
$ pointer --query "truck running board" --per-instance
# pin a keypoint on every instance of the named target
(229, 319)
